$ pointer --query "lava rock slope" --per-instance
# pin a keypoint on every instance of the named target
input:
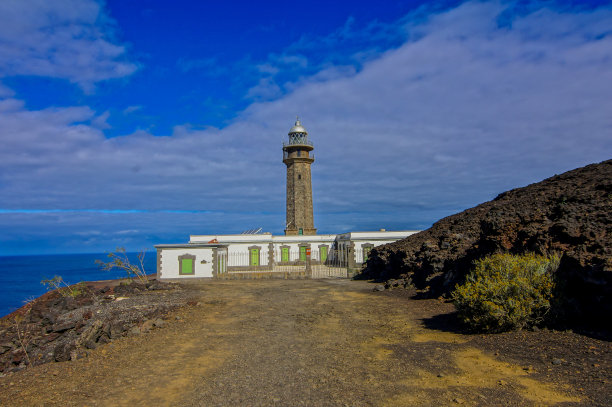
(567, 214)
(54, 328)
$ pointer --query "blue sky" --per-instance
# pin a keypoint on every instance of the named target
(131, 123)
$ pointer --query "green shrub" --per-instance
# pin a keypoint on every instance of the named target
(506, 292)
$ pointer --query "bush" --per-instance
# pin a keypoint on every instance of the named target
(65, 290)
(120, 260)
(506, 292)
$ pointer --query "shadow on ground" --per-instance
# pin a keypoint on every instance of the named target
(448, 322)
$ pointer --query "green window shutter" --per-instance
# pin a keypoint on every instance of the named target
(300, 231)
(254, 257)
(187, 266)
(303, 253)
(285, 254)
(323, 253)
(366, 252)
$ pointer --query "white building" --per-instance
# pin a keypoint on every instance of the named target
(223, 256)
(299, 253)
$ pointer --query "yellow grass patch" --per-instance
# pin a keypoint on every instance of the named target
(479, 370)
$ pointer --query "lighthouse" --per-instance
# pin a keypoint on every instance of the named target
(297, 156)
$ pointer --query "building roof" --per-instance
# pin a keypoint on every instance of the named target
(269, 238)
(188, 245)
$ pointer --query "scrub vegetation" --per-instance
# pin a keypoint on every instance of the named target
(506, 292)
(63, 288)
(120, 260)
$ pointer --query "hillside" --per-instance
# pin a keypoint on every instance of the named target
(567, 214)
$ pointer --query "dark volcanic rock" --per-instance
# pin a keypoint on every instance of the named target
(64, 351)
(568, 214)
(56, 328)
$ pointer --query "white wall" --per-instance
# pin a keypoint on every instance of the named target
(259, 238)
(169, 267)
(239, 252)
(359, 244)
(294, 249)
(359, 247)
(238, 248)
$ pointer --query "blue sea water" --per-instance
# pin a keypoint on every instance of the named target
(21, 276)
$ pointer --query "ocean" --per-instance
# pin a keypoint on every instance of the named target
(21, 276)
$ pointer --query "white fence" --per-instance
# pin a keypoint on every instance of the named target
(332, 264)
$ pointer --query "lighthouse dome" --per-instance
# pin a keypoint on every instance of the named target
(298, 128)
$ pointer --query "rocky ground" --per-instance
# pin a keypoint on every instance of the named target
(568, 214)
(310, 342)
(56, 328)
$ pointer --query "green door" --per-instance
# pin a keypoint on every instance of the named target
(254, 257)
(303, 253)
(323, 253)
(187, 266)
(222, 264)
(285, 254)
(366, 252)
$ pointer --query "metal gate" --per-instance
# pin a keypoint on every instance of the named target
(294, 264)
(336, 265)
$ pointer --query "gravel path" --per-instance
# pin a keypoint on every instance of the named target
(300, 342)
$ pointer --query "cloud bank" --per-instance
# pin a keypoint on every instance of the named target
(66, 39)
(473, 102)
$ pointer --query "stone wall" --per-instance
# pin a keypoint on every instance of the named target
(299, 197)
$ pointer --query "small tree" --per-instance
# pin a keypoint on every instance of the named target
(120, 260)
(23, 328)
(65, 290)
(506, 292)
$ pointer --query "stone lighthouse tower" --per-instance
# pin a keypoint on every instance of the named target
(297, 157)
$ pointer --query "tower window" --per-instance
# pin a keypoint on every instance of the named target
(299, 176)
(299, 153)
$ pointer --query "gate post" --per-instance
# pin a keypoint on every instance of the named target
(271, 259)
(351, 256)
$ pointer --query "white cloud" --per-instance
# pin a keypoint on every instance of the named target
(268, 68)
(5, 92)
(131, 109)
(266, 89)
(462, 111)
(100, 121)
(11, 105)
(67, 39)
(340, 53)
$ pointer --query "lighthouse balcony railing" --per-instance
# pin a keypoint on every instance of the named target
(286, 155)
(298, 141)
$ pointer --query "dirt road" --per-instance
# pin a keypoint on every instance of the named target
(311, 343)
